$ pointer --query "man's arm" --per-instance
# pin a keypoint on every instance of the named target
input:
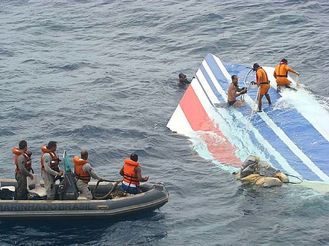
(291, 70)
(21, 166)
(139, 175)
(257, 76)
(87, 168)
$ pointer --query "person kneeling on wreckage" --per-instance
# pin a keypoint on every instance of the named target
(234, 91)
(83, 172)
(257, 172)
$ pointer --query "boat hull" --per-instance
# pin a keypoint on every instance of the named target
(154, 197)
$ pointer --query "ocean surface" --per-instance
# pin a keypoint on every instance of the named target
(102, 75)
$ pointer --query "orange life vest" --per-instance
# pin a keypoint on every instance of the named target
(281, 70)
(129, 173)
(78, 169)
(54, 159)
(281, 74)
(28, 162)
(261, 77)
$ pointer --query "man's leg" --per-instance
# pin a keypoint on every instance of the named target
(260, 102)
(289, 87)
(84, 190)
(21, 190)
(49, 185)
(268, 98)
(238, 103)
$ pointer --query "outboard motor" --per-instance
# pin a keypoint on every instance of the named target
(67, 189)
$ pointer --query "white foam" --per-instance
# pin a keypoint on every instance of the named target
(305, 103)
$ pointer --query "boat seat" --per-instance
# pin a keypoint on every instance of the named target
(7, 192)
(34, 187)
(10, 188)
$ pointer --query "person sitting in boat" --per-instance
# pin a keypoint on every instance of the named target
(257, 172)
(23, 163)
(281, 74)
(83, 173)
(234, 91)
(50, 168)
(132, 175)
(263, 84)
(183, 79)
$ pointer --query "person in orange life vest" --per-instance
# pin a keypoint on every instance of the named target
(50, 168)
(263, 84)
(23, 163)
(234, 91)
(281, 74)
(84, 172)
(132, 175)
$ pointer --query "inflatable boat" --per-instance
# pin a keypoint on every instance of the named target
(292, 134)
(105, 205)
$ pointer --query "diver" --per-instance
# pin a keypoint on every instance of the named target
(234, 91)
(83, 173)
(50, 168)
(23, 163)
(263, 84)
(183, 79)
(132, 175)
(281, 74)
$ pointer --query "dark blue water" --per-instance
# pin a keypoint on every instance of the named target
(103, 75)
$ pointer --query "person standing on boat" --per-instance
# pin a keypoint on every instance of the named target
(23, 163)
(84, 172)
(281, 74)
(263, 84)
(234, 91)
(132, 175)
(50, 168)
